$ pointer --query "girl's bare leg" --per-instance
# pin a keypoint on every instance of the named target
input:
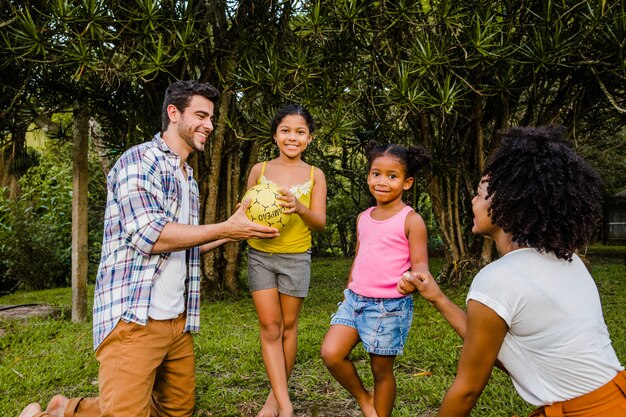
(278, 316)
(291, 307)
(336, 348)
(384, 383)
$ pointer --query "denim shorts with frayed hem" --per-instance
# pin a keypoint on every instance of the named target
(382, 323)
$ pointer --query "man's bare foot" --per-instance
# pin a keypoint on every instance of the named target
(30, 410)
(367, 405)
(270, 408)
(57, 405)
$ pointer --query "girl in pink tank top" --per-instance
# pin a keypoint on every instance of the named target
(391, 240)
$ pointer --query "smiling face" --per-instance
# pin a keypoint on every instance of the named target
(292, 136)
(387, 179)
(196, 123)
(188, 130)
(480, 207)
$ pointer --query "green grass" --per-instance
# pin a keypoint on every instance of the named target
(43, 357)
(608, 251)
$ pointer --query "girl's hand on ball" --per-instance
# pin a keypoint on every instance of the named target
(264, 207)
(288, 201)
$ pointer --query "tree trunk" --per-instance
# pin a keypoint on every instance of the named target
(446, 197)
(80, 180)
(211, 190)
(11, 162)
(481, 154)
(231, 251)
(107, 159)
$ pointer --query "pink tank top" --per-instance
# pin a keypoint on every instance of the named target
(383, 255)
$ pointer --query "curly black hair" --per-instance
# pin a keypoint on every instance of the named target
(544, 194)
(413, 158)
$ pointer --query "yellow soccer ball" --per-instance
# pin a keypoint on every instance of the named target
(264, 208)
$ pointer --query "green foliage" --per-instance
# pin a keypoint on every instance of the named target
(424, 207)
(448, 74)
(38, 224)
(40, 358)
(35, 237)
(339, 237)
(6, 232)
(603, 145)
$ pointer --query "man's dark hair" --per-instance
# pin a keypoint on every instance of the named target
(544, 194)
(180, 93)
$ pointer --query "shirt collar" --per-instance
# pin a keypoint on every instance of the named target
(173, 157)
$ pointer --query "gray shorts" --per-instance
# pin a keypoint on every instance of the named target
(289, 272)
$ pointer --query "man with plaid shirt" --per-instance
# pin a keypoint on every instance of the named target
(147, 296)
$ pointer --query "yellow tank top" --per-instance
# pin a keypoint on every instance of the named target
(296, 236)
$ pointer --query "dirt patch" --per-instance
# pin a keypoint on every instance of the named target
(339, 408)
(345, 408)
(326, 408)
(25, 311)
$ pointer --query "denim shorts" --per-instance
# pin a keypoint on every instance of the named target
(383, 323)
(289, 272)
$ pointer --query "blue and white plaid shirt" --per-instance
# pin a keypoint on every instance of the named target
(143, 196)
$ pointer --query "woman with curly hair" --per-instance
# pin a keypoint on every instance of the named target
(535, 312)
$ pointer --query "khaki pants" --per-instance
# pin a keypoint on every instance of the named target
(144, 371)
(607, 401)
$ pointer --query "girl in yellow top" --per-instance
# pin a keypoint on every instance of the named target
(279, 269)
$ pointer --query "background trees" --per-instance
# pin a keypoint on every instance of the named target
(451, 74)
(446, 74)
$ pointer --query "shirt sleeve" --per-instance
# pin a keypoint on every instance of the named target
(141, 201)
(487, 289)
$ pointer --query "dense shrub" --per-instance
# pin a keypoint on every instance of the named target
(6, 282)
(339, 236)
(35, 236)
(36, 243)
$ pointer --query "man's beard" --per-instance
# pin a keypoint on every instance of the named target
(187, 135)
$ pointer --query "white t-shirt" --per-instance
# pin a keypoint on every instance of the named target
(557, 346)
(167, 299)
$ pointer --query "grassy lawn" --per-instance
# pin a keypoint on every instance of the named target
(42, 357)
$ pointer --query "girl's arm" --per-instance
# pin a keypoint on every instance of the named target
(255, 173)
(485, 335)
(416, 233)
(315, 216)
(212, 245)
